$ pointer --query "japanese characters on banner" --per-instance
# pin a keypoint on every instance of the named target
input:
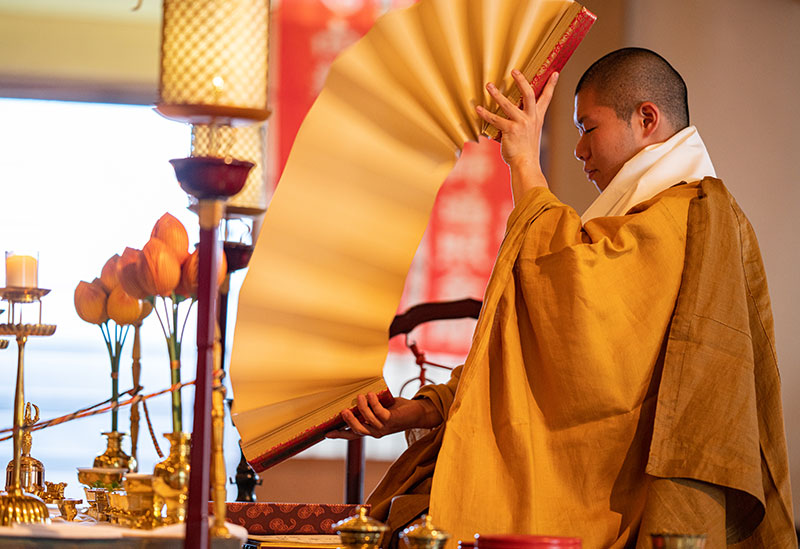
(457, 253)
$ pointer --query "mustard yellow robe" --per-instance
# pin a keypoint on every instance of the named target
(551, 420)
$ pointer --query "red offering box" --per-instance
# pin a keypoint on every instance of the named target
(287, 518)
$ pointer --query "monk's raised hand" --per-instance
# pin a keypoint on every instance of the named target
(521, 128)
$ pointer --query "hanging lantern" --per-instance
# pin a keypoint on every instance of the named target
(214, 61)
(243, 143)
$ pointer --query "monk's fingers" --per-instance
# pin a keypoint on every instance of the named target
(369, 417)
(378, 409)
(354, 424)
(342, 433)
(502, 124)
(547, 94)
(525, 91)
(512, 111)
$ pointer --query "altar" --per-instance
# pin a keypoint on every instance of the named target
(86, 532)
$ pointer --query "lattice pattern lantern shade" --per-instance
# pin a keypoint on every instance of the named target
(214, 61)
(243, 143)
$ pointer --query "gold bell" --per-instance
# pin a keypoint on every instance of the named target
(360, 531)
(31, 470)
(424, 535)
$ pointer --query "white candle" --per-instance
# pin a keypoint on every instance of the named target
(21, 271)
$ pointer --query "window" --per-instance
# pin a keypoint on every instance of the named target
(81, 182)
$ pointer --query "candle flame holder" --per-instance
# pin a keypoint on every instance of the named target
(16, 506)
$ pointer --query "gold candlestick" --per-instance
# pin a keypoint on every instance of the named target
(17, 507)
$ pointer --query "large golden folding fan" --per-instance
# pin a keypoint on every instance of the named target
(350, 209)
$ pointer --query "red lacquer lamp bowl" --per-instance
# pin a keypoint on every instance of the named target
(211, 177)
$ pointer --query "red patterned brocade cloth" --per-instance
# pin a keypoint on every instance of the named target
(263, 518)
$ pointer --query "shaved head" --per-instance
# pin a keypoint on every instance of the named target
(626, 78)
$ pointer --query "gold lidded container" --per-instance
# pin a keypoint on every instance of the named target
(360, 531)
(678, 541)
(424, 535)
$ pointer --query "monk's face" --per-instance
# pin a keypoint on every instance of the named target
(605, 141)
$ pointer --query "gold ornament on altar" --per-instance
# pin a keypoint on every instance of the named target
(54, 491)
(69, 508)
(171, 478)
(31, 470)
(136, 506)
(424, 535)
(140, 508)
(360, 531)
(114, 457)
(109, 478)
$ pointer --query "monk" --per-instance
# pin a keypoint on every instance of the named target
(622, 378)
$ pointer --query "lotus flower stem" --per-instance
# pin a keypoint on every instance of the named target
(189, 310)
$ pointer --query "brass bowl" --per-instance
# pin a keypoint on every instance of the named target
(101, 477)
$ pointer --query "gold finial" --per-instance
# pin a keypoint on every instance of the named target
(28, 420)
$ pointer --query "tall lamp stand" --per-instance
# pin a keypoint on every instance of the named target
(211, 180)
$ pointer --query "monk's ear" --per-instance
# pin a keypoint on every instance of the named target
(648, 120)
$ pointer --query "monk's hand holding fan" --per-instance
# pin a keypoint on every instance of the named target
(521, 131)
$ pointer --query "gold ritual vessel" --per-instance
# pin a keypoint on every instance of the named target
(171, 478)
(109, 478)
(424, 535)
(114, 457)
(53, 492)
(97, 498)
(136, 506)
(98, 481)
(17, 506)
(360, 531)
(69, 508)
